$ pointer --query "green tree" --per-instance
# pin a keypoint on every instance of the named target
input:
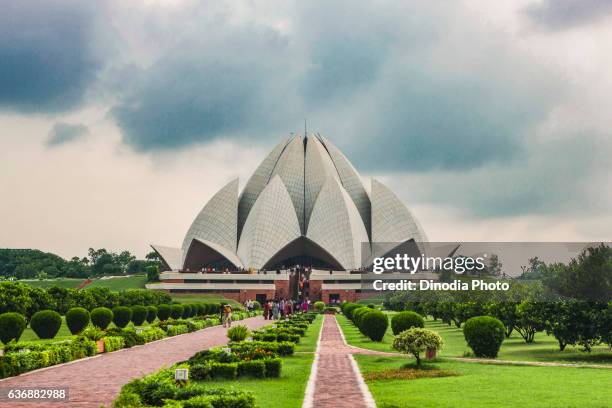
(15, 297)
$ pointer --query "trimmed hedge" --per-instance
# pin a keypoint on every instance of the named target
(374, 324)
(406, 320)
(319, 306)
(101, 317)
(484, 335)
(139, 314)
(151, 314)
(77, 319)
(224, 370)
(253, 368)
(46, 323)
(12, 326)
(186, 311)
(176, 311)
(163, 312)
(358, 314)
(348, 309)
(122, 316)
(273, 367)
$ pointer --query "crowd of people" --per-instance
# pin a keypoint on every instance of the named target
(276, 309)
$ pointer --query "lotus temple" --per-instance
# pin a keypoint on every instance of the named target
(305, 225)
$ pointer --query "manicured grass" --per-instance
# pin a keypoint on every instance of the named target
(287, 391)
(202, 298)
(309, 342)
(62, 334)
(482, 385)
(114, 283)
(545, 348)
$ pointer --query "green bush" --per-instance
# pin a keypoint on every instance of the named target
(151, 313)
(319, 306)
(177, 329)
(163, 312)
(349, 308)
(101, 317)
(358, 313)
(256, 305)
(139, 314)
(113, 343)
(406, 320)
(77, 319)
(484, 335)
(186, 311)
(273, 367)
(176, 311)
(374, 324)
(371, 306)
(224, 370)
(46, 323)
(199, 371)
(199, 309)
(238, 333)
(253, 368)
(416, 341)
(122, 316)
(12, 326)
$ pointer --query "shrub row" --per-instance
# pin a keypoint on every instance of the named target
(371, 322)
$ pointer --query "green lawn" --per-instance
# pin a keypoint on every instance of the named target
(482, 385)
(115, 283)
(545, 348)
(202, 298)
(287, 391)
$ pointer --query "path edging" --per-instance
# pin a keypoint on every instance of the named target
(308, 401)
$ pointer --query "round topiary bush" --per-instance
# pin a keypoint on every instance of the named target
(406, 320)
(12, 326)
(199, 309)
(151, 313)
(176, 311)
(139, 314)
(163, 312)
(187, 311)
(122, 316)
(77, 319)
(416, 341)
(358, 315)
(46, 323)
(374, 324)
(484, 335)
(319, 306)
(101, 317)
(349, 308)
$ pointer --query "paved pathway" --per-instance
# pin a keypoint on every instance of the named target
(97, 380)
(335, 380)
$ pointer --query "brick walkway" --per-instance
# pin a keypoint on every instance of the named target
(338, 382)
(96, 381)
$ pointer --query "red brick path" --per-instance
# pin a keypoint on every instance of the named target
(337, 382)
(97, 380)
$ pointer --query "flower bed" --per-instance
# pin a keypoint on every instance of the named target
(244, 359)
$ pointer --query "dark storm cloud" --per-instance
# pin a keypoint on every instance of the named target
(63, 133)
(46, 61)
(205, 90)
(562, 14)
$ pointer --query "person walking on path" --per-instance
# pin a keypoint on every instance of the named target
(227, 315)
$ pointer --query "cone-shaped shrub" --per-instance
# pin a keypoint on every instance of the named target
(101, 317)
(122, 316)
(406, 320)
(163, 312)
(199, 309)
(176, 311)
(151, 313)
(484, 335)
(12, 326)
(46, 323)
(358, 315)
(77, 319)
(139, 314)
(374, 324)
(349, 308)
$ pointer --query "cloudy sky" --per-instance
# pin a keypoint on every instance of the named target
(491, 120)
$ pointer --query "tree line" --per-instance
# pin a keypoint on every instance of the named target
(36, 264)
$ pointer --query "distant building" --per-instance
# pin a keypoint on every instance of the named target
(304, 213)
